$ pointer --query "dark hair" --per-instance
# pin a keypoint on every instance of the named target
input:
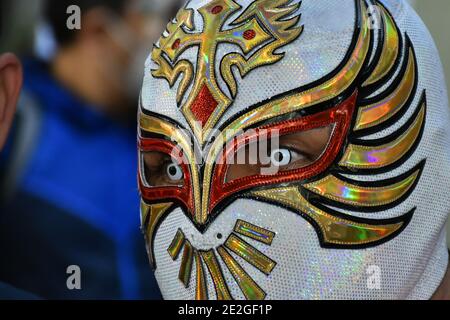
(55, 13)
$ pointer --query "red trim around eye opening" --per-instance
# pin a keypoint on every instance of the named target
(340, 116)
(155, 194)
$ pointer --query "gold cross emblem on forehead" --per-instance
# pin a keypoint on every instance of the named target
(263, 27)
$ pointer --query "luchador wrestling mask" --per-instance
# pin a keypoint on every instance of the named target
(348, 198)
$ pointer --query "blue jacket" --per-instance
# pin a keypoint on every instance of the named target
(75, 203)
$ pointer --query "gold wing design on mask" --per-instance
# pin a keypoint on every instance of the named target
(393, 79)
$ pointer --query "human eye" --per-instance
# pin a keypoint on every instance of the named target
(291, 152)
(161, 170)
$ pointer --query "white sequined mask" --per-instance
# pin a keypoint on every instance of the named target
(358, 215)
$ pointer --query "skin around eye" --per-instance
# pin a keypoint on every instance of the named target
(294, 151)
(160, 170)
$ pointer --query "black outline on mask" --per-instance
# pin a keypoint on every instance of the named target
(353, 137)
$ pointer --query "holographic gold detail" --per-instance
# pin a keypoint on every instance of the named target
(176, 245)
(181, 35)
(250, 254)
(334, 230)
(323, 92)
(248, 287)
(186, 264)
(365, 157)
(335, 189)
(159, 126)
(201, 291)
(183, 67)
(256, 233)
(171, 74)
(270, 13)
(220, 285)
(371, 115)
(390, 49)
(144, 212)
(153, 215)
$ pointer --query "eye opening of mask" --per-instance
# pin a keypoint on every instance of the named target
(159, 169)
(266, 157)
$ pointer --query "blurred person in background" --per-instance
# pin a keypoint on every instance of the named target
(68, 194)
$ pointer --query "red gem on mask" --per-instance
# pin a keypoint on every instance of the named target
(176, 44)
(216, 10)
(249, 34)
(204, 105)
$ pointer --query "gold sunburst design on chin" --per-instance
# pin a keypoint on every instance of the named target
(208, 261)
(264, 26)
